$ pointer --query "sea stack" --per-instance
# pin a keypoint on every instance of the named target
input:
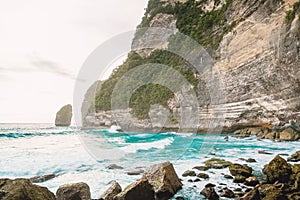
(64, 116)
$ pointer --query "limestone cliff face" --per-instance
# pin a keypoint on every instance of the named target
(258, 61)
(64, 116)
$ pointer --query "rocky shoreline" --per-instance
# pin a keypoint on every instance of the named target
(278, 180)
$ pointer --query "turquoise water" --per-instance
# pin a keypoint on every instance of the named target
(28, 150)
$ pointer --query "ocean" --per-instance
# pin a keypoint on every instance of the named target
(75, 155)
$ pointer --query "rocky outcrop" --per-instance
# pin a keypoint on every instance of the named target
(21, 189)
(74, 191)
(294, 157)
(210, 193)
(164, 180)
(64, 116)
(141, 189)
(111, 192)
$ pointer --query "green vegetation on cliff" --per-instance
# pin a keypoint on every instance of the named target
(206, 27)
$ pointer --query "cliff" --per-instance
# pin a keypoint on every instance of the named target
(256, 49)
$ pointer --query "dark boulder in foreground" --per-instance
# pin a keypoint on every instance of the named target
(23, 189)
(74, 191)
(64, 116)
(138, 190)
(210, 193)
(164, 180)
(278, 170)
(111, 192)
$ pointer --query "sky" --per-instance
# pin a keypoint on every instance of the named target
(43, 44)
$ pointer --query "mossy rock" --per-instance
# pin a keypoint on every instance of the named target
(216, 163)
(243, 170)
(278, 170)
(64, 116)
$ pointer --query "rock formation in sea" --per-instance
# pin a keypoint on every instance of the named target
(255, 45)
(64, 116)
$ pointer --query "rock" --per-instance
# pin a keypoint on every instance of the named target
(164, 180)
(197, 180)
(179, 198)
(74, 191)
(249, 160)
(239, 179)
(271, 192)
(64, 116)
(189, 173)
(23, 189)
(210, 193)
(216, 163)
(228, 176)
(252, 195)
(141, 189)
(111, 192)
(40, 179)
(135, 172)
(201, 168)
(114, 166)
(289, 134)
(294, 157)
(243, 170)
(203, 175)
(264, 152)
(251, 181)
(210, 185)
(296, 176)
(278, 170)
(227, 193)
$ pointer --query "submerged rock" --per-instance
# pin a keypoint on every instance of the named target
(203, 175)
(278, 170)
(64, 116)
(210, 193)
(111, 192)
(189, 173)
(201, 168)
(74, 191)
(40, 179)
(114, 166)
(164, 180)
(141, 189)
(217, 163)
(23, 189)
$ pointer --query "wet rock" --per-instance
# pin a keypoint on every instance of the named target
(111, 192)
(189, 173)
(227, 193)
(40, 179)
(251, 181)
(74, 191)
(264, 152)
(135, 172)
(249, 160)
(23, 189)
(270, 191)
(203, 175)
(180, 198)
(239, 179)
(164, 180)
(210, 185)
(210, 193)
(114, 166)
(64, 116)
(216, 163)
(252, 195)
(141, 189)
(277, 170)
(294, 157)
(197, 180)
(201, 168)
(243, 170)
(228, 176)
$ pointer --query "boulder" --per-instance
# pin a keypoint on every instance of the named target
(201, 168)
(251, 195)
(239, 179)
(64, 116)
(294, 157)
(278, 170)
(271, 192)
(227, 193)
(135, 172)
(73, 191)
(203, 175)
(189, 173)
(216, 163)
(289, 134)
(164, 180)
(251, 181)
(23, 189)
(242, 170)
(141, 189)
(114, 166)
(210, 193)
(111, 192)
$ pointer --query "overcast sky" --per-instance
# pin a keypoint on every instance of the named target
(43, 45)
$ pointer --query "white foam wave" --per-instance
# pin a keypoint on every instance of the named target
(161, 144)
